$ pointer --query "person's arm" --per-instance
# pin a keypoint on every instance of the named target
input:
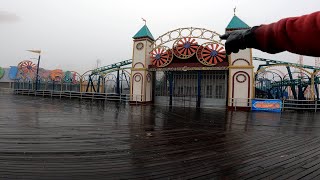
(299, 35)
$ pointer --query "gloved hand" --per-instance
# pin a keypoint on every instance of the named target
(239, 39)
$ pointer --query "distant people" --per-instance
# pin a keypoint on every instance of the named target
(300, 35)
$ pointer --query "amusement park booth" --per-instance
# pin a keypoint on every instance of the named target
(189, 67)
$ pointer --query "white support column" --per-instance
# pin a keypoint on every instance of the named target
(141, 78)
(241, 79)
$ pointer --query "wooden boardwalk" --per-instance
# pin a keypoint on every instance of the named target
(44, 138)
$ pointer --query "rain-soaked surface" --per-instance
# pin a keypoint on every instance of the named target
(72, 139)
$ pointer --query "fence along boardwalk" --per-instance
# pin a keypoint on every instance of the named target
(64, 139)
(73, 94)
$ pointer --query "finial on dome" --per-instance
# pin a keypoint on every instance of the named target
(145, 21)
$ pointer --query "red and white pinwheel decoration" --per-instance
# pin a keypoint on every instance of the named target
(27, 67)
(161, 56)
(185, 47)
(211, 54)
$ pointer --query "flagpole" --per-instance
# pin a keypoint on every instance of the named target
(38, 71)
(38, 52)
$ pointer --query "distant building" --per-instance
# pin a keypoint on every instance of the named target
(5, 80)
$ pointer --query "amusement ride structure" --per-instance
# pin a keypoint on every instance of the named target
(184, 65)
(272, 82)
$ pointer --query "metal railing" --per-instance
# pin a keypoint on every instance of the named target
(287, 104)
(291, 104)
(137, 98)
(74, 94)
(240, 102)
(6, 91)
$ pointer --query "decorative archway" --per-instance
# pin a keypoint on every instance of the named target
(192, 32)
(184, 43)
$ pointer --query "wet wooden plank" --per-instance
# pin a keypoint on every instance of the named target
(69, 138)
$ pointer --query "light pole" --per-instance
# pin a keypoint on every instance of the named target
(38, 52)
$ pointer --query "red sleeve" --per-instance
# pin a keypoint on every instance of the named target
(299, 35)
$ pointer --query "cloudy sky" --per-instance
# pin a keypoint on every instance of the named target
(74, 34)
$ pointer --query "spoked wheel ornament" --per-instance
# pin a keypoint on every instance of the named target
(211, 54)
(185, 47)
(27, 67)
(161, 56)
(56, 75)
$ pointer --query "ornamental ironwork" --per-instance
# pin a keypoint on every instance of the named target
(192, 32)
(186, 44)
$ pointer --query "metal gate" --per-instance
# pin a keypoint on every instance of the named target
(181, 88)
(185, 88)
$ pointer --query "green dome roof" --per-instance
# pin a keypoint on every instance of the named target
(237, 23)
(143, 32)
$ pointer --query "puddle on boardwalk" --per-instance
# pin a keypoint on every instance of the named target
(43, 137)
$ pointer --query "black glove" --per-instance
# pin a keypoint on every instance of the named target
(239, 39)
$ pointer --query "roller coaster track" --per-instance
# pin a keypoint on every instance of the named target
(111, 66)
(272, 62)
(290, 82)
(104, 70)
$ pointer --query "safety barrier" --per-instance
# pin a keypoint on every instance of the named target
(240, 102)
(287, 104)
(312, 105)
(6, 91)
(72, 94)
(136, 98)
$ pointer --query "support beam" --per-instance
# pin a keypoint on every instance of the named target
(293, 89)
(199, 89)
(317, 90)
(98, 85)
(118, 82)
(121, 81)
(90, 84)
(170, 87)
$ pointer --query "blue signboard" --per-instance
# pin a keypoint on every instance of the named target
(272, 105)
(13, 72)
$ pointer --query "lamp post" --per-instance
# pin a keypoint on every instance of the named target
(38, 65)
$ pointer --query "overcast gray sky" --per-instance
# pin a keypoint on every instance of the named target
(73, 34)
